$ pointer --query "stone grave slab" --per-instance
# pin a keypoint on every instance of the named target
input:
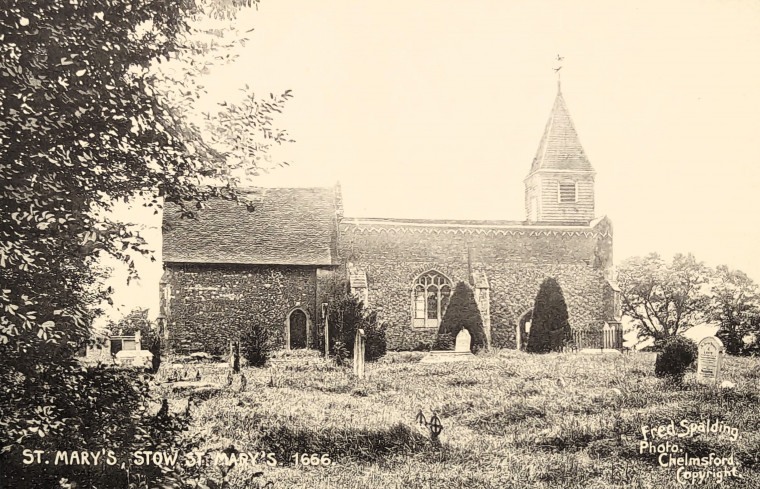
(134, 358)
(461, 351)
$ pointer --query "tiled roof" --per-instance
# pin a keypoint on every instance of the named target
(288, 226)
(560, 148)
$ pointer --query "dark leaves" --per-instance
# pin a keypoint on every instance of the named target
(83, 123)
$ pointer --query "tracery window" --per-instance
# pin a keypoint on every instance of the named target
(430, 297)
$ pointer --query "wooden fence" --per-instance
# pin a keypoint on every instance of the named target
(609, 337)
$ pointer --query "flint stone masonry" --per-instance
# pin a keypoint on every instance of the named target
(213, 304)
(514, 260)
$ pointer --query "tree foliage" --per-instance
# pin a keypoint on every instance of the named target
(256, 344)
(88, 118)
(347, 314)
(549, 327)
(677, 355)
(242, 126)
(108, 410)
(735, 307)
(664, 299)
(135, 320)
(462, 313)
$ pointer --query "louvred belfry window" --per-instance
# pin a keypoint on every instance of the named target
(568, 192)
(430, 297)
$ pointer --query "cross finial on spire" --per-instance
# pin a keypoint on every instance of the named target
(557, 71)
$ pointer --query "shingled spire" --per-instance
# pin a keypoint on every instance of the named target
(560, 148)
(560, 184)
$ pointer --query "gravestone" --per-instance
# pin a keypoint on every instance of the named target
(463, 341)
(235, 356)
(461, 351)
(359, 345)
(134, 358)
(710, 360)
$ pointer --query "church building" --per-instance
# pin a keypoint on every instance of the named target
(230, 267)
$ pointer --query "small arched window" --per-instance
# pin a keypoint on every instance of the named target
(430, 297)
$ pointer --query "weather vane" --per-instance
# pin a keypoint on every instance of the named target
(558, 68)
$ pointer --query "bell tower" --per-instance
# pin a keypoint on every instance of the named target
(560, 185)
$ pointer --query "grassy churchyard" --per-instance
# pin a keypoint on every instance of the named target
(510, 420)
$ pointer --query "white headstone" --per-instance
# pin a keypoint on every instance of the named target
(710, 360)
(360, 343)
(463, 341)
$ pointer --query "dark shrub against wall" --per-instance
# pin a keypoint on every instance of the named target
(549, 329)
(256, 344)
(346, 315)
(463, 313)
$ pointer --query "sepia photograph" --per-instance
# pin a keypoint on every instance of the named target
(421, 244)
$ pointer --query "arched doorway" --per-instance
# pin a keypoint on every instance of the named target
(523, 330)
(297, 329)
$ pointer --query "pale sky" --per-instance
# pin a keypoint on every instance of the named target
(434, 109)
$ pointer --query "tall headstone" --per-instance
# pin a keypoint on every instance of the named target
(710, 360)
(463, 341)
(359, 345)
(325, 317)
(235, 356)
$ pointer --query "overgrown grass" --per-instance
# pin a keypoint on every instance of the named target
(510, 420)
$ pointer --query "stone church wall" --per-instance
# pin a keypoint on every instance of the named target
(515, 263)
(213, 304)
(208, 305)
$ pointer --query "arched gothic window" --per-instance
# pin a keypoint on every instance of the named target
(430, 297)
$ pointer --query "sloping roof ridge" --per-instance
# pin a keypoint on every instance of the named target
(458, 223)
(279, 187)
(251, 189)
(283, 262)
(547, 131)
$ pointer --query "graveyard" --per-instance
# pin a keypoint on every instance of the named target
(506, 419)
